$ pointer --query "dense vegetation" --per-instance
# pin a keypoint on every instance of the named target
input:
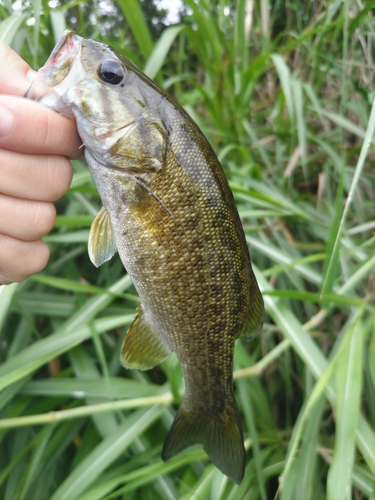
(284, 92)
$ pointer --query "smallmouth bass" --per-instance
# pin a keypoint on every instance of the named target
(169, 212)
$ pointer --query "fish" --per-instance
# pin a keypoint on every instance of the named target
(169, 212)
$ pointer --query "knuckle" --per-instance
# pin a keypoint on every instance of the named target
(20, 259)
(39, 256)
(44, 219)
(60, 176)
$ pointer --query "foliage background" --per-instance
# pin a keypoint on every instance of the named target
(284, 92)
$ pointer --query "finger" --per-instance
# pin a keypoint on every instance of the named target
(14, 72)
(24, 219)
(28, 127)
(21, 259)
(43, 125)
(34, 177)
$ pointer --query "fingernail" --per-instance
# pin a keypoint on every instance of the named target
(30, 75)
(6, 121)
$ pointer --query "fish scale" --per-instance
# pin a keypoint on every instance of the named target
(169, 211)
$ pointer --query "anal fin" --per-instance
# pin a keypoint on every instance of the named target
(143, 347)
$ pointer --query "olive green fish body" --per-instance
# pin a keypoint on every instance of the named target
(169, 211)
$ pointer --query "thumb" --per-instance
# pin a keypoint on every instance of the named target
(15, 73)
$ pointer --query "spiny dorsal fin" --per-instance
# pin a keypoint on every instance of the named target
(143, 347)
(102, 244)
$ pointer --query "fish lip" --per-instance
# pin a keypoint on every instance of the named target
(69, 43)
(65, 53)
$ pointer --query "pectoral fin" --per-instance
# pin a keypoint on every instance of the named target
(102, 244)
(143, 348)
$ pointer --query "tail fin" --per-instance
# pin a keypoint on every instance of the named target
(220, 434)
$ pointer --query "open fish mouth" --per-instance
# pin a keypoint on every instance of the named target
(58, 66)
(62, 58)
(62, 72)
(68, 46)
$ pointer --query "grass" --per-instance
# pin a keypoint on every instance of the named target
(284, 92)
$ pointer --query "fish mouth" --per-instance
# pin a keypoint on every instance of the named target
(68, 47)
(56, 76)
(57, 67)
(62, 58)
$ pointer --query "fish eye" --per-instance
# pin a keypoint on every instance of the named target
(111, 71)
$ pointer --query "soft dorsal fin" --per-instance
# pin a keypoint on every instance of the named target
(143, 347)
(102, 244)
(254, 321)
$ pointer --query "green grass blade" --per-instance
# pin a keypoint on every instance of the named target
(92, 387)
(331, 268)
(317, 364)
(84, 367)
(134, 15)
(42, 351)
(6, 294)
(105, 453)
(58, 23)
(35, 462)
(144, 475)
(10, 26)
(157, 58)
(348, 390)
(249, 417)
(285, 77)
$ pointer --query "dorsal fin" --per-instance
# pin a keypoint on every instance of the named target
(254, 321)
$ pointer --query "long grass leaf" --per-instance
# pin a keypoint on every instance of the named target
(6, 294)
(58, 23)
(30, 359)
(105, 453)
(360, 164)
(141, 476)
(285, 77)
(348, 390)
(134, 15)
(10, 26)
(317, 364)
(157, 58)
(90, 387)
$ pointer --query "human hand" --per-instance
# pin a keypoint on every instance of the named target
(35, 143)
